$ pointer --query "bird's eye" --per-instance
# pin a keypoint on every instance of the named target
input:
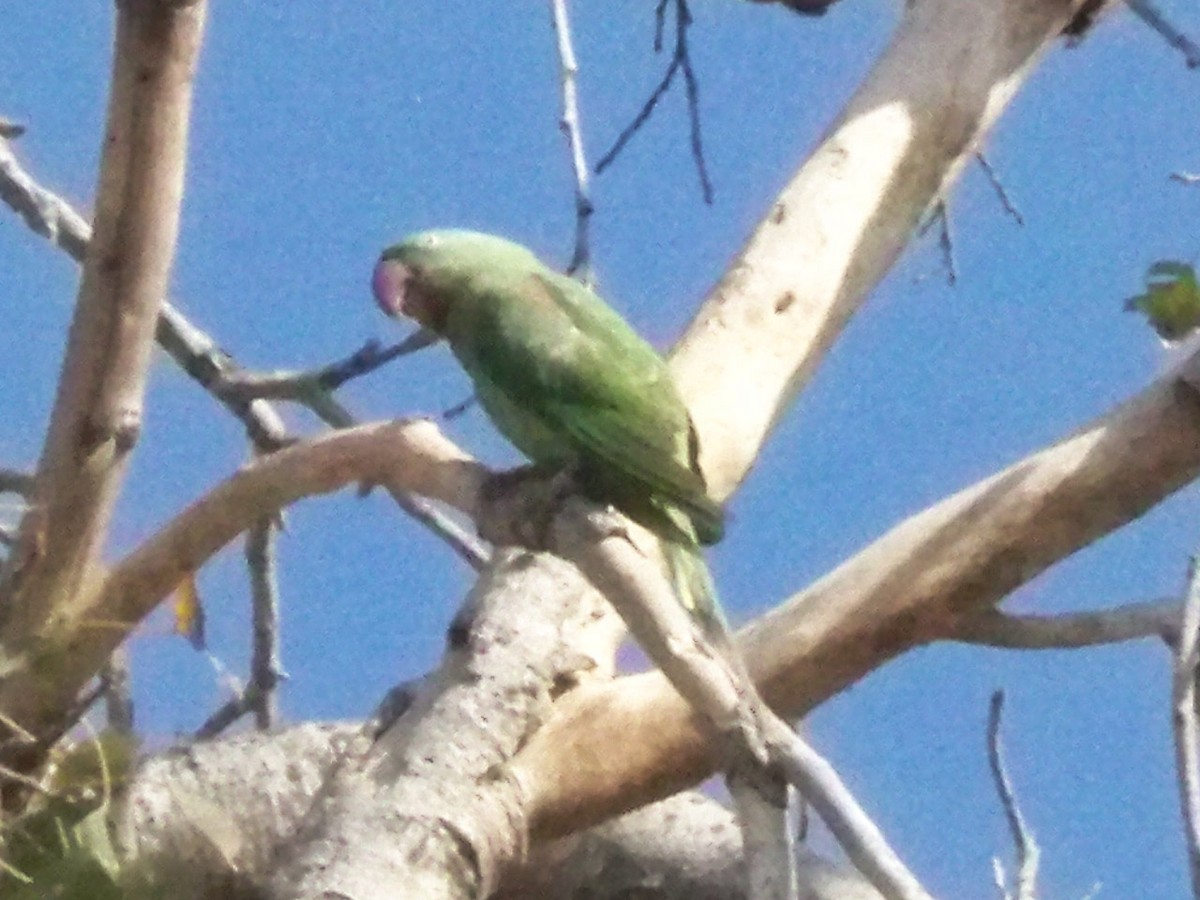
(430, 241)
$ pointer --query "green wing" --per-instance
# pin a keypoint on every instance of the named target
(557, 353)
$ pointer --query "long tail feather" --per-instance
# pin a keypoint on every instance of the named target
(693, 583)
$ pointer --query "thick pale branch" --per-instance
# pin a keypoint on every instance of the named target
(839, 225)
(911, 586)
(404, 456)
(97, 410)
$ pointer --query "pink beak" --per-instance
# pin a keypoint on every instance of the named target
(388, 284)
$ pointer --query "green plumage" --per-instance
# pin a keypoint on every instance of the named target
(566, 380)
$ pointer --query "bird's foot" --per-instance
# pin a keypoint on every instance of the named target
(518, 506)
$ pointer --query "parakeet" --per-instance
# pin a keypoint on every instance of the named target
(1171, 304)
(564, 378)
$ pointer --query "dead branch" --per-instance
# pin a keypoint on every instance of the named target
(1028, 851)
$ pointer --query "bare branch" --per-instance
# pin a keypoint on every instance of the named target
(713, 681)
(1152, 618)
(44, 212)
(768, 844)
(998, 185)
(680, 61)
(941, 217)
(266, 669)
(860, 838)
(913, 585)
(243, 702)
(97, 411)
(1184, 719)
(404, 456)
(1028, 852)
(839, 225)
(572, 129)
(307, 386)
(1149, 13)
(200, 356)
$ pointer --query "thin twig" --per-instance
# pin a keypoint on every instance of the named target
(946, 242)
(1150, 14)
(1028, 852)
(1186, 730)
(200, 356)
(300, 386)
(240, 704)
(572, 129)
(45, 213)
(683, 20)
(998, 186)
(680, 59)
(266, 670)
(1152, 618)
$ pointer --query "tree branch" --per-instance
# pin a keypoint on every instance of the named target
(14, 481)
(1149, 13)
(913, 585)
(210, 366)
(97, 411)
(993, 628)
(1185, 673)
(301, 386)
(1028, 852)
(40, 680)
(581, 259)
(266, 669)
(836, 229)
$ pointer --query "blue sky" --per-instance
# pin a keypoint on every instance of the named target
(324, 131)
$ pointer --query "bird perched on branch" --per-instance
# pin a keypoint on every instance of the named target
(564, 378)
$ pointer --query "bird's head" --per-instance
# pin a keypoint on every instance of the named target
(420, 276)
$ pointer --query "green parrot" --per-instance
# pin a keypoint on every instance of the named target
(564, 378)
(1171, 302)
